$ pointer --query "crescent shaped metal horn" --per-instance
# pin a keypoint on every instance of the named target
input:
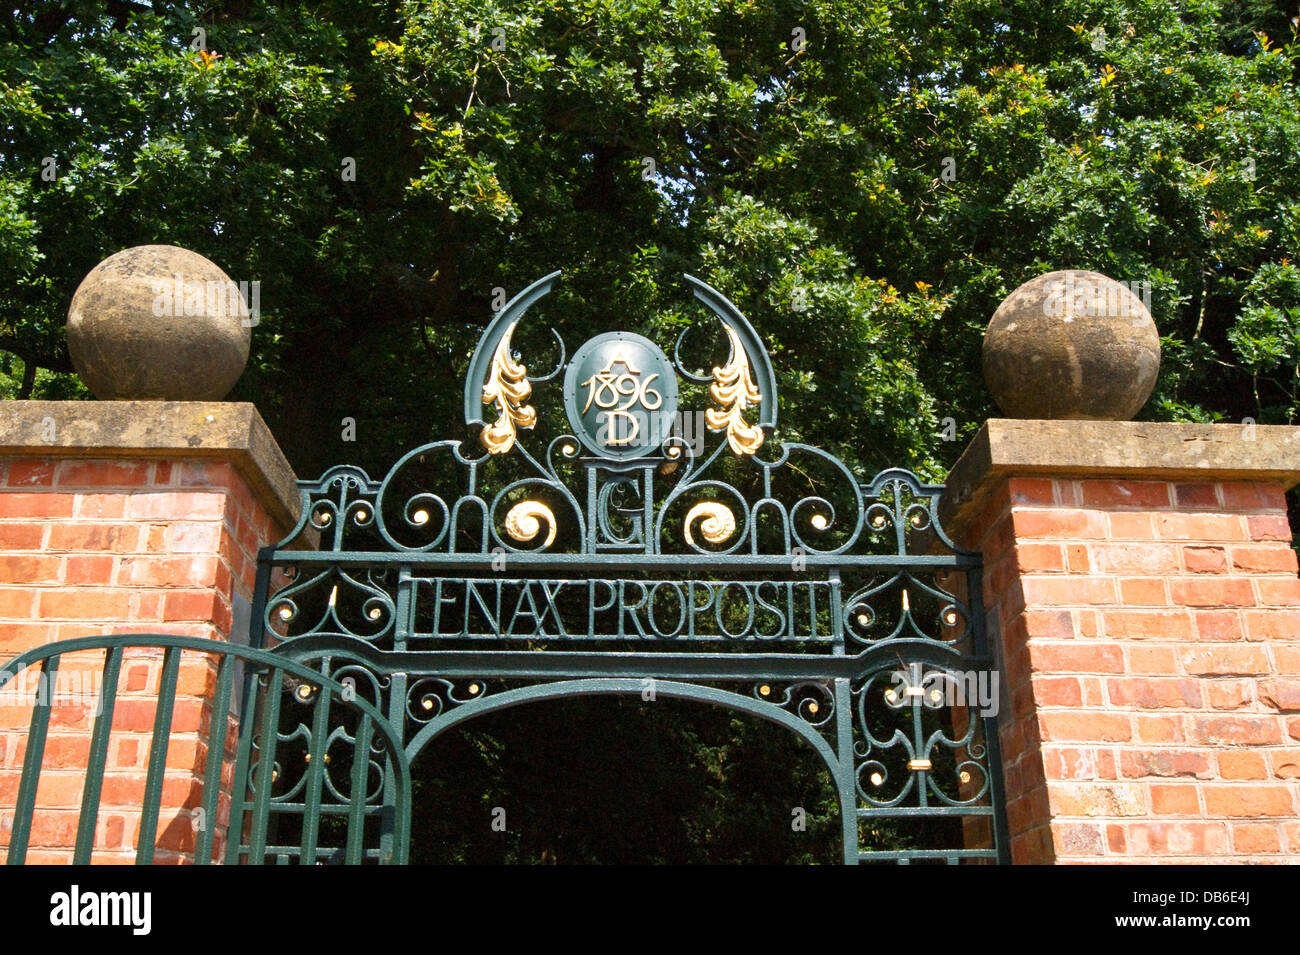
(759, 362)
(487, 344)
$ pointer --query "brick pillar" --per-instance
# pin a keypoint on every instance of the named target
(126, 517)
(1142, 595)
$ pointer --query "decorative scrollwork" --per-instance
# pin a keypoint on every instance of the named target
(338, 601)
(508, 388)
(524, 522)
(922, 761)
(893, 610)
(717, 523)
(902, 503)
(810, 699)
(344, 761)
(734, 390)
(432, 696)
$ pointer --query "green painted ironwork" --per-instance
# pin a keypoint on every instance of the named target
(369, 758)
(769, 579)
(776, 583)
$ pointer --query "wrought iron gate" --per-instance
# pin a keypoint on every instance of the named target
(625, 555)
(334, 726)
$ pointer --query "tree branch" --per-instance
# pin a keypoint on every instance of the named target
(29, 379)
(37, 358)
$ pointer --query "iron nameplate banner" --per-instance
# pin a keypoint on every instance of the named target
(605, 609)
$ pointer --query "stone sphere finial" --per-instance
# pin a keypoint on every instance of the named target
(1071, 344)
(159, 322)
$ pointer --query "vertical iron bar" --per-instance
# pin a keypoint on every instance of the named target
(270, 731)
(162, 728)
(401, 854)
(397, 722)
(846, 776)
(218, 729)
(648, 511)
(992, 742)
(918, 733)
(98, 757)
(404, 611)
(239, 804)
(360, 777)
(388, 814)
(315, 770)
(261, 594)
(592, 517)
(837, 612)
(25, 805)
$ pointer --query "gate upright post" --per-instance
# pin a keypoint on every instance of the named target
(1144, 608)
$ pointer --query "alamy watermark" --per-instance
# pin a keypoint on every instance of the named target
(131, 910)
(192, 297)
(973, 689)
(67, 688)
(1070, 298)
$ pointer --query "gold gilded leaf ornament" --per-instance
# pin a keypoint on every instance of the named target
(734, 390)
(508, 388)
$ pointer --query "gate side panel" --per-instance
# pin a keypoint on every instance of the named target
(74, 801)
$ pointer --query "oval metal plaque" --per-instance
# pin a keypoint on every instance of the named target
(620, 393)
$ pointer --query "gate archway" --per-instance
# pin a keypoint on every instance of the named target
(623, 778)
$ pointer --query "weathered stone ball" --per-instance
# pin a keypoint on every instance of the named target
(161, 322)
(1071, 344)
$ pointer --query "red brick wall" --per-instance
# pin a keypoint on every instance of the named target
(1150, 636)
(93, 547)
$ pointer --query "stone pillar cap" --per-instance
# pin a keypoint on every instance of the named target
(229, 431)
(1134, 450)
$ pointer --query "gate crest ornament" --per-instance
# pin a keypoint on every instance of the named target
(739, 570)
(625, 411)
(620, 394)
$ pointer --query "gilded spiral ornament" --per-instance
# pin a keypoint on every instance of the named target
(717, 523)
(524, 522)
